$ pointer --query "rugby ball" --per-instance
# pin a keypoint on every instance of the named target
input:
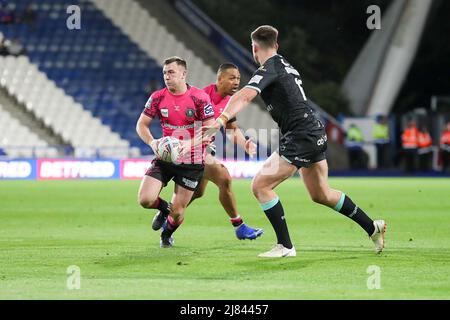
(169, 149)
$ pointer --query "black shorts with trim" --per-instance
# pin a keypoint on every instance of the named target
(303, 149)
(187, 176)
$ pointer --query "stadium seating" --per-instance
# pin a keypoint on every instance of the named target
(104, 68)
(57, 110)
(98, 66)
(17, 141)
(153, 38)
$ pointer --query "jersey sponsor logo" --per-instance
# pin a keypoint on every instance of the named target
(177, 108)
(190, 183)
(256, 79)
(322, 140)
(302, 160)
(190, 113)
(208, 110)
(292, 71)
(149, 103)
(189, 126)
(165, 113)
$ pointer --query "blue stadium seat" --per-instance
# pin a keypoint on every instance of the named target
(98, 65)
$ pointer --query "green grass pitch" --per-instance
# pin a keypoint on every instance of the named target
(45, 227)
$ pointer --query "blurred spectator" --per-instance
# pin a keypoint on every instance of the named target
(29, 16)
(6, 15)
(445, 147)
(15, 47)
(410, 144)
(3, 48)
(381, 136)
(354, 143)
(425, 151)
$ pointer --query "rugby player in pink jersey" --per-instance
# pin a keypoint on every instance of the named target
(179, 106)
(228, 80)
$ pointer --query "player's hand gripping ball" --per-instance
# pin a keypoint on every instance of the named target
(168, 149)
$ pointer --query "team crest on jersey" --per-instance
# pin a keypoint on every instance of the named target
(190, 113)
(165, 113)
(208, 110)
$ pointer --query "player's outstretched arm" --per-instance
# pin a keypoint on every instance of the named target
(238, 101)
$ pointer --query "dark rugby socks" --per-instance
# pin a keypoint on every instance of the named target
(275, 213)
(171, 226)
(236, 222)
(346, 206)
(161, 205)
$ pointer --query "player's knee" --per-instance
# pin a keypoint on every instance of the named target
(257, 190)
(145, 201)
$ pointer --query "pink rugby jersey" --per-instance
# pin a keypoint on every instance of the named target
(218, 102)
(181, 115)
